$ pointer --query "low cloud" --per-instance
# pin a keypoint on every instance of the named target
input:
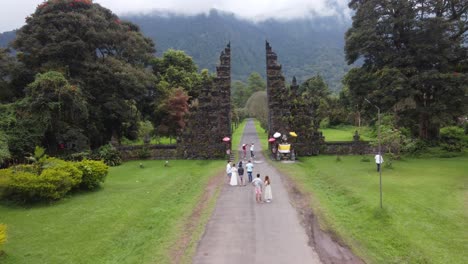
(12, 13)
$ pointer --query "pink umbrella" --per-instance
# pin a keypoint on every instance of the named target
(271, 140)
(226, 139)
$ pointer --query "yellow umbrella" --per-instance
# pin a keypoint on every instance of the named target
(293, 134)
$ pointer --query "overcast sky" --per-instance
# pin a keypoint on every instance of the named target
(13, 12)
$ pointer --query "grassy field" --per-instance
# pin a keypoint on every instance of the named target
(135, 218)
(154, 141)
(345, 133)
(262, 135)
(236, 138)
(424, 219)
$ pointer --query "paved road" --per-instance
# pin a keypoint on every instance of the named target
(242, 231)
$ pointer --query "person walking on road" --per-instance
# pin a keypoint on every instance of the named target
(378, 161)
(233, 181)
(244, 150)
(252, 156)
(258, 184)
(228, 170)
(268, 195)
(249, 166)
(240, 170)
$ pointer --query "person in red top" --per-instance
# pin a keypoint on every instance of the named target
(244, 149)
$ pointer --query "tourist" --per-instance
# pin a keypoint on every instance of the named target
(258, 183)
(244, 150)
(233, 181)
(378, 160)
(249, 167)
(240, 170)
(228, 170)
(268, 195)
(252, 151)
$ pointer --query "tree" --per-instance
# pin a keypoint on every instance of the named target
(60, 109)
(257, 106)
(255, 83)
(93, 48)
(176, 107)
(414, 60)
(315, 94)
(239, 94)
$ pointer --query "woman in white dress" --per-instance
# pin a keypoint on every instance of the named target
(268, 194)
(234, 174)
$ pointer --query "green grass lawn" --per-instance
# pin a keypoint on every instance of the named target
(135, 218)
(345, 133)
(236, 138)
(154, 141)
(425, 217)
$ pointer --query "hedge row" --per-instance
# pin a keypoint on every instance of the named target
(50, 179)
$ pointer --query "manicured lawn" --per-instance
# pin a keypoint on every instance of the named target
(236, 138)
(154, 141)
(135, 218)
(345, 133)
(424, 219)
(262, 135)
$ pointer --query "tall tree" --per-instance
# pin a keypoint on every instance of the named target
(414, 59)
(107, 57)
(315, 94)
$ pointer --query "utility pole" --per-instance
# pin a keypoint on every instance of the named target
(380, 149)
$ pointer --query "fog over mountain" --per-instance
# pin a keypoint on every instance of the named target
(305, 46)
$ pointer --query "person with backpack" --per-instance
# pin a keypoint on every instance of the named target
(240, 170)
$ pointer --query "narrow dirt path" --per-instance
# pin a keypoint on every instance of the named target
(243, 231)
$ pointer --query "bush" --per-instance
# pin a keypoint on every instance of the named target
(452, 138)
(415, 146)
(110, 155)
(69, 167)
(51, 184)
(365, 159)
(3, 235)
(4, 181)
(144, 153)
(94, 172)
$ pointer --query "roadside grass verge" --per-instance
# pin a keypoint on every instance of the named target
(136, 217)
(424, 217)
(345, 133)
(262, 135)
(236, 140)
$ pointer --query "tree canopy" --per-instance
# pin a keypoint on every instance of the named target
(414, 57)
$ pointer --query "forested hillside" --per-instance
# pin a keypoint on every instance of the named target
(305, 47)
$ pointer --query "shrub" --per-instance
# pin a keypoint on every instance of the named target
(94, 172)
(109, 155)
(69, 167)
(51, 184)
(3, 235)
(4, 181)
(414, 146)
(365, 159)
(452, 138)
(144, 153)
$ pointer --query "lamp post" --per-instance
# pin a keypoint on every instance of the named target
(380, 148)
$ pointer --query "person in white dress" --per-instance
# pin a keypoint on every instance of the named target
(267, 193)
(233, 181)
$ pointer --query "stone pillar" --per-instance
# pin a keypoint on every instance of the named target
(210, 121)
(277, 94)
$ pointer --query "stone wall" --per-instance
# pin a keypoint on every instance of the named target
(148, 152)
(209, 122)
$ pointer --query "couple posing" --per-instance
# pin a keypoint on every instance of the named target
(266, 186)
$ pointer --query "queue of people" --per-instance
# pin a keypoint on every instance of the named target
(262, 188)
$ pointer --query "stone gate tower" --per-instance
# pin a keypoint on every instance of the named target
(210, 121)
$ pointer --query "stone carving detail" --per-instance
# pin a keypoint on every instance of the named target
(209, 122)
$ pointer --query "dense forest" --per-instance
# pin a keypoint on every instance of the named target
(306, 47)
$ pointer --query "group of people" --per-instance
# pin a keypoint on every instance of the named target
(251, 148)
(235, 176)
